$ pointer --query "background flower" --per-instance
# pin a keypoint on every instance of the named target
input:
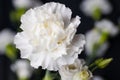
(22, 69)
(95, 8)
(106, 26)
(93, 38)
(6, 37)
(26, 3)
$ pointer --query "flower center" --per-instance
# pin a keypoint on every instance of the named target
(49, 35)
(84, 74)
(72, 67)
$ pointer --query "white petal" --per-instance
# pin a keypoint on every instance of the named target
(77, 44)
(40, 59)
(73, 50)
(61, 10)
(37, 59)
(71, 29)
(22, 43)
(28, 20)
(66, 59)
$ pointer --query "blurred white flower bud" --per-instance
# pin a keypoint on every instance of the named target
(26, 3)
(6, 37)
(22, 69)
(107, 26)
(93, 37)
(90, 6)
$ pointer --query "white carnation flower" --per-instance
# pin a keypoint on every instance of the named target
(47, 38)
(93, 37)
(26, 3)
(22, 69)
(75, 71)
(6, 37)
(89, 6)
(107, 27)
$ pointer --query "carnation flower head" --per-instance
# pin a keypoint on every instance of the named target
(48, 38)
(76, 71)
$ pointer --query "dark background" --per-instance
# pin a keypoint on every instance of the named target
(112, 72)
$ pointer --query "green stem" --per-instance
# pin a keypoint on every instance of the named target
(94, 69)
(91, 57)
(91, 65)
(96, 14)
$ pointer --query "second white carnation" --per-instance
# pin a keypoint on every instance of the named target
(75, 71)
